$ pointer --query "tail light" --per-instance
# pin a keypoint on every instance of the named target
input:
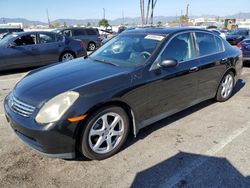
(82, 44)
(239, 45)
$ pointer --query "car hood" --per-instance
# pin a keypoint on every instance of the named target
(43, 84)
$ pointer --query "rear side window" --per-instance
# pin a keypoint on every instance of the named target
(47, 38)
(179, 48)
(208, 44)
(78, 32)
(91, 32)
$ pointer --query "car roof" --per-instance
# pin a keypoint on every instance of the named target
(76, 28)
(31, 32)
(162, 30)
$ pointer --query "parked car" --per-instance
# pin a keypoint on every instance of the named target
(90, 36)
(245, 47)
(111, 35)
(5, 31)
(235, 36)
(135, 79)
(31, 49)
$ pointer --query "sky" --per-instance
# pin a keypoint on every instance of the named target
(84, 9)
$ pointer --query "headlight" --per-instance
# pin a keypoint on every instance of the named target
(54, 109)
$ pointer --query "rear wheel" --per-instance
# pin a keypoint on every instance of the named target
(225, 89)
(91, 46)
(104, 133)
(67, 56)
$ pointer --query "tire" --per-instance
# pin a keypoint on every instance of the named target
(226, 87)
(101, 140)
(66, 56)
(91, 46)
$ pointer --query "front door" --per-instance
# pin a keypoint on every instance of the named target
(173, 89)
(22, 53)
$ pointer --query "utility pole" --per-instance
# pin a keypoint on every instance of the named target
(122, 17)
(48, 17)
(103, 13)
(187, 10)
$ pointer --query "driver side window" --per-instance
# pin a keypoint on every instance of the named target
(26, 40)
(179, 48)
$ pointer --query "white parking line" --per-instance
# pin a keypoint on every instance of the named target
(172, 181)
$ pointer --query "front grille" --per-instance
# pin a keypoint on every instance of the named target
(20, 107)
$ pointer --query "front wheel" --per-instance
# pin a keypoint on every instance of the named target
(104, 133)
(226, 86)
(66, 56)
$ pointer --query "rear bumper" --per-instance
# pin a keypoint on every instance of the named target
(54, 140)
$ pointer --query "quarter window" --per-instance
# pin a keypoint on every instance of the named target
(179, 48)
(208, 44)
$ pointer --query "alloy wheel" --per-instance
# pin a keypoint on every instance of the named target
(67, 57)
(106, 133)
(227, 86)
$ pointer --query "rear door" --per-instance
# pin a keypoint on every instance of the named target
(23, 53)
(80, 34)
(50, 47)
(212, 56)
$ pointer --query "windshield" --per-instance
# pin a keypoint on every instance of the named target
(6, 40)
(128, 50)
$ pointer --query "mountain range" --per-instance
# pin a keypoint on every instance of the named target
(127, 20)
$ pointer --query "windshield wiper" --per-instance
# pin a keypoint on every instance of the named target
(106, 62)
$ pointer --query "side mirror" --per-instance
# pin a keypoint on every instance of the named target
(12, 45)
(168, 63)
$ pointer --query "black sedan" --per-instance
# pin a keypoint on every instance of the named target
(235, 36)
(135, 79)
(31, 49)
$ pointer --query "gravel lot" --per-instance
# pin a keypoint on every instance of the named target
(204, 146)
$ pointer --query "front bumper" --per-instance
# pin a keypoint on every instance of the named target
(54, 140)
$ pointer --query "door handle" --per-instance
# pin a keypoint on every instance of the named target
(193, 69)
(224, 60)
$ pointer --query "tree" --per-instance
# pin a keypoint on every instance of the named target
(149, 8)
(184, 18)
(104, 22)
(159, 23)
(64, 24)
(88, 24)
(142, 12)
(55, 24)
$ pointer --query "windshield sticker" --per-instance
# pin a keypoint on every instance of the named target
(154, 37)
